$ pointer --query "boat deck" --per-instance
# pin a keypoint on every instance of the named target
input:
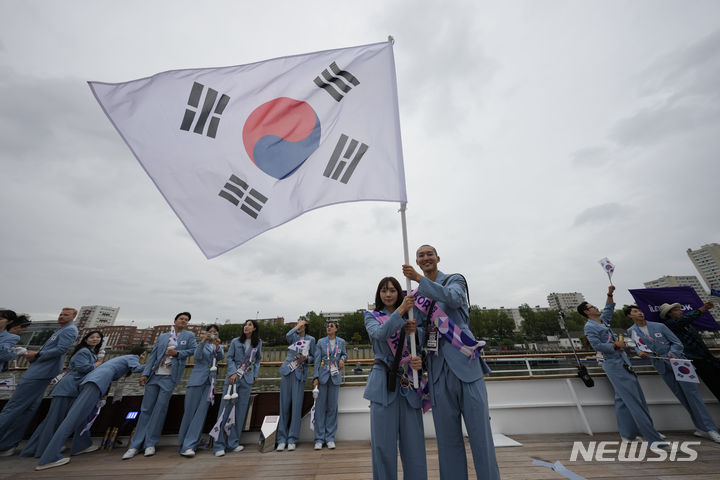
(351, 461)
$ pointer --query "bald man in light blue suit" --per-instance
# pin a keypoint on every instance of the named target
(457, 384)
(45, 365)
(662, 342)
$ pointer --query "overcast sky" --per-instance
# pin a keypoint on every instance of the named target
(538, 137)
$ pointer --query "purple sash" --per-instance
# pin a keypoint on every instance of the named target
(423, 390)
(464, 343)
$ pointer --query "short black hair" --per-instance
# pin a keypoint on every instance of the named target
(22, 320)
(628, 308)
(426, 245)
(581, 309)
(183, 313)
(212, 325)
(137, 350)
(8, 315)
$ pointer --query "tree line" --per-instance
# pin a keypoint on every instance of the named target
(492, 325)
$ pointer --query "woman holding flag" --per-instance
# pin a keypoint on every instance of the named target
(395, 408)
(66, 389)
(243, 362)
(292, 386)
(200, 390)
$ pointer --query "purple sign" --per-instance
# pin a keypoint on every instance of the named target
(650, 299)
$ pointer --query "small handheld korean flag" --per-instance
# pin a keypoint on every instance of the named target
(239, 150)
(608, 266)
(684, 370)
(639, 343)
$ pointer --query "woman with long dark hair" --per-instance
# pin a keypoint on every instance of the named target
(200, 392)
(67, 387)
(395, 408)
(243, 362)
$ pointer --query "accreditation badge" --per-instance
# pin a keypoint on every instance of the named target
(334, 369)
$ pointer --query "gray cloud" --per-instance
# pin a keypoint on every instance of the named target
(604, 213)
(592, 157)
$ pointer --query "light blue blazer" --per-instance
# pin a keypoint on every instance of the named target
(601, 337)
(376, 388)
(452, 299)
(51, 359)
(237, 355)
(661, 341)
(112, 370)
(300, 373)
(82, 363)
(185, 347)
(7, 342)
(203, 356)
(322, 361)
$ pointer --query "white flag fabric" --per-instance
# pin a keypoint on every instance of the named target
(239, 150)
(639, 343)
(607, 266)
(684, 370)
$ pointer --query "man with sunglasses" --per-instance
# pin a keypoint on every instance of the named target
(631, 408)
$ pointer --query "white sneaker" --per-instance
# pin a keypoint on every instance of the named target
(291, 447)
(149, 451)
(220, 453)
(280, 447)
(62, 461)
(188, 453)
(239, 448)
(131, 452)
(89, 449)
(700, 433)
(318, 445)
(331, 445)
(713, 435)
(7, 453)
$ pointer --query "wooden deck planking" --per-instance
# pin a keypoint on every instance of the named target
(352, 461)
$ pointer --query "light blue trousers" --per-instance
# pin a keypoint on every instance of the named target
(326, 412)
(196, 407)
(59, 407)
(232, 440)
(19, 411)
(291, 400)
(398, 425)
(153, 411)
(453, 399)
(689, 395)
(631, 408)
(76, 419)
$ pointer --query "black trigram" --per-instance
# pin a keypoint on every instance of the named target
(340, 85)
(337, 166)
(234, 191)
(210, 98)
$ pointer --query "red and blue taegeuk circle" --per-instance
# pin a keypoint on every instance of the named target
(280, 135)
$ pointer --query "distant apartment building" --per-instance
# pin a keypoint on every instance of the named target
(707, 262)
(118, 336)
(271, 321)
(334, 316)
(565, 300)
(678, 281)
(96, 316)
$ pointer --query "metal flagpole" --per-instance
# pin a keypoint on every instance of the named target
(408, 286)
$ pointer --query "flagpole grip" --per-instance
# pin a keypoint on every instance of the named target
(408, 286)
